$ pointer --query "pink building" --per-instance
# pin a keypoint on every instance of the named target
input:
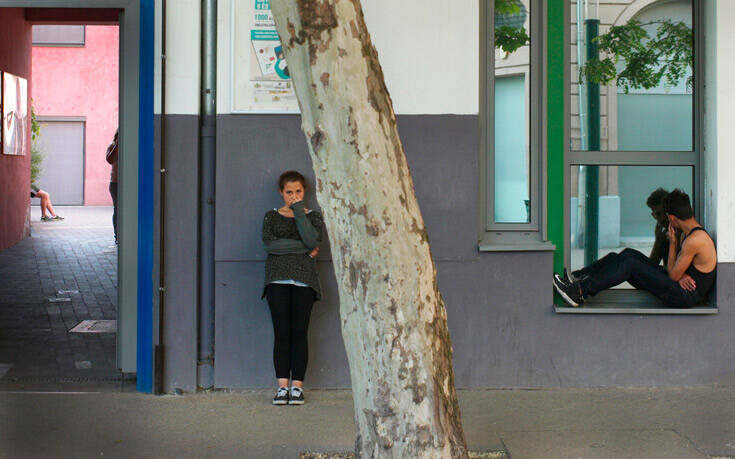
(75, 94)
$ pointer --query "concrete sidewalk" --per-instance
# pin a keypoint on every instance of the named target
(552, 423)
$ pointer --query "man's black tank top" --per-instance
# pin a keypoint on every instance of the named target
(704, 281)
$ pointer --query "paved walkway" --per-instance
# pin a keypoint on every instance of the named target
(663, 423)
(76, 255)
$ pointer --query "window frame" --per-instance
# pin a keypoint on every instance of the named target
(693, 159)
(514, 236)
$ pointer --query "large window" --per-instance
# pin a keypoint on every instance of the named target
(634, 120)
(511, 107)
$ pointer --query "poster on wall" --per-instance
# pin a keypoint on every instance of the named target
(15, 114)
(261, 79)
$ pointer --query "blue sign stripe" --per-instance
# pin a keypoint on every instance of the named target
(146, 180)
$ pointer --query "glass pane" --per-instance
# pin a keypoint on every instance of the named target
(644, 106)
(622, 217)
(511, 168)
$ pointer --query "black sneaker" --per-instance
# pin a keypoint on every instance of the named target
(296, 397)
(281, 397)
(569, 291)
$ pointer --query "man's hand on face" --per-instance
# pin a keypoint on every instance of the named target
(672, 234)
(687, 283)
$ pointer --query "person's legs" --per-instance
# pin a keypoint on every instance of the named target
(279, 302)
(301, 305)
(596, 266)
(641, 273)
(608, 259)
(113, 194)
(45, 203)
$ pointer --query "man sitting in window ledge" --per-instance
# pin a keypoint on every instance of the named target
(685, 281)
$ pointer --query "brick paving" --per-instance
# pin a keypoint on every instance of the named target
(37, 352)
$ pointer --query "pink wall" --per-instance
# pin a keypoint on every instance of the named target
(83, 81)
(15, 171)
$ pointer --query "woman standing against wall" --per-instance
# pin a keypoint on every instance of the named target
(291, 235)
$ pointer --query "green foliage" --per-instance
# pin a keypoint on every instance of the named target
(507, 7)
(508, 38)
(646, 61)
(36, 154)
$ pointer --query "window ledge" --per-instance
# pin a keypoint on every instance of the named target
(628, 301)
(517, 247)
(611, 308)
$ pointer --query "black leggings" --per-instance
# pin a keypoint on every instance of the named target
(290, 311)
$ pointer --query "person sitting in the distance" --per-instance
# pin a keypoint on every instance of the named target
(660, 250)
(46, 206)
(685, 281)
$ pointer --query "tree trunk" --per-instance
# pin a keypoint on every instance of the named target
(393, 318)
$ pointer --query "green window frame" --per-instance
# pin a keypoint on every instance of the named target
(561, 160)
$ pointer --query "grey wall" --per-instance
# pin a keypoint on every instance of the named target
(180, 321)
(502, 324)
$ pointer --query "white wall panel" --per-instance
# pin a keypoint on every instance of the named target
(182, 57)
(725, 141)
(224, 54)
(428, 50)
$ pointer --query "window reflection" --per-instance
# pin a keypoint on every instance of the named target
(511, 165)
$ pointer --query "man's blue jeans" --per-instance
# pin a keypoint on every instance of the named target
(634, 267)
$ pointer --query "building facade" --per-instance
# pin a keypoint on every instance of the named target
(499, 138)
(501, 212)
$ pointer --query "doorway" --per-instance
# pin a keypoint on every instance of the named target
(135, 216)
(62, 174)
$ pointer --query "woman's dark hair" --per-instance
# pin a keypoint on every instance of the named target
(656, 198)
(677, 204)
(291, 176)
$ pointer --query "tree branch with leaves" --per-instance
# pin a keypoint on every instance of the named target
(509, 38)
(636, 60)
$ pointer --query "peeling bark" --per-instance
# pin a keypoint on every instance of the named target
(393, 317)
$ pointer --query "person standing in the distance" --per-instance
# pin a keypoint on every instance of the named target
(291, 236)
(111, 157)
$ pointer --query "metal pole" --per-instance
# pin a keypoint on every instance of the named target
(592, 195)
(159, 350)
(207, 162)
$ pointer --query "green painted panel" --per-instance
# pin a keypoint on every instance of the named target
(555, 127)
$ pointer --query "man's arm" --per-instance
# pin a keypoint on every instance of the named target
(677, 267)
(659, 245)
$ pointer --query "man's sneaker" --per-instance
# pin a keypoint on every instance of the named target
(281, 397)
(57, 217)
(570, 292)
(46, 218)
(297, 396)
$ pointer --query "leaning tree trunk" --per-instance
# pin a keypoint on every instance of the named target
(393, 318)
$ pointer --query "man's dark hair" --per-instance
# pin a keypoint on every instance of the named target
(677, 204)
(291, 176)
(656, 198)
